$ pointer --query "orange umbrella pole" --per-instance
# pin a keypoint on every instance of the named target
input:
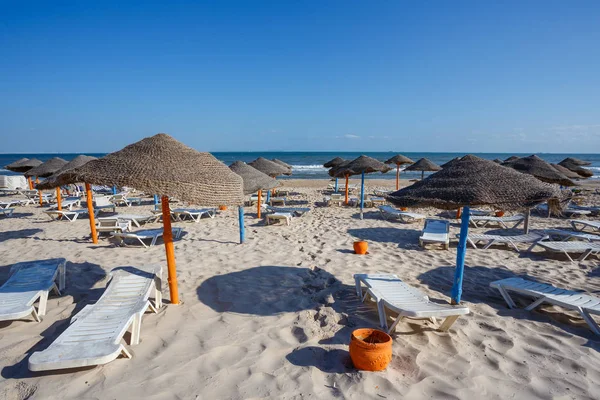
(30, 183)
(259, 201)
(37, 180)
(169, 249)
(397, 176)
(346, 201)
(90, 206)
(58, 199)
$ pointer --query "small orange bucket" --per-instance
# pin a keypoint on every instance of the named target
(361, 247)
(370, 349)
(499, 213)
(223, 208)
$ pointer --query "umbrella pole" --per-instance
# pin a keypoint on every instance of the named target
(397, 176)
(336, 185)
(169, 249)
(259, 201)
(114, 189)
(362, 194)
(268, 196)
(30, 183)
(90, 206)
(58, 199)
(37, 180)
(422, 175)
(156, 202)
(346, 201)
(460, 256)
(241, 222)
(526, 222)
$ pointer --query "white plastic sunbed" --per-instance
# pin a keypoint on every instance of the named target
(278, 216)
(568, 235)
(28, 282)
(277, 200)
(112, 225)
(436, 231)
(408, 302)
(295, 211)
(389, 212)
(70, 215)
(334, 198)
(67, 204)
(512, 241)
(95, 334)
(102, 203)
(585, 248)
(581, 224)
(137, 220)
(10, 203)
(479, 221)
(583, 303)
(179, 214)
(147, 234)
(7, 211)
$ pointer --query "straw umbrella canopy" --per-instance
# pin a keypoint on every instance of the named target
(47, 168)
(254, 181)
(334, 162)
(473, 181)
(162, 165)
(577, 161)
(24, 165)
(283, 164)
(533, 165)
(449, 163)
(579, 170)
(566, 172)
(361, 165)
(268, 167)
(74, 163)
(399, 160)
(423, 165)
(511, 158)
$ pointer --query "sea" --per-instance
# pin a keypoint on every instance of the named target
(309, 165)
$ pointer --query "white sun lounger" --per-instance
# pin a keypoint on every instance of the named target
(11, 203)
(137, 220)
(278, 216)
(7, 211)
(389, 212)
(512, 241)
(436, 231)
(28, 282)
(479, 221)
(67, 204)
(277, 200)
(568, 235)
(295, 211)
(334, 198)
(585, 248)
(70, 215)
(95, 334)
(406, 301)
(147, 234)
(179, 214)
(581, 224)
(112, 225)
(583, 303)
(102, 203)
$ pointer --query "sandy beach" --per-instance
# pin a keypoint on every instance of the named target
(272, 318)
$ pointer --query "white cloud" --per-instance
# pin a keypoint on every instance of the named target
(351, 136)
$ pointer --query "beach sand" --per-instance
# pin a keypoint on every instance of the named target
(272, 318)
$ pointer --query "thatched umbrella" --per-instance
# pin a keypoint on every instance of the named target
(533, 165)
(579, 170)
(423, 165)
(74, 163)
(473, 181)
(511, 158)
(283, 164)
(270, 168)
(46, 169)
(333, 173)
(566, 172)
(24, 165)
(361, 165)
(162, 165)
(399, 160)
(577, 161)
(254, 180)
(449, 163)
(332, 164)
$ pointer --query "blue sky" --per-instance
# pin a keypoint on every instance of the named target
(302, 75)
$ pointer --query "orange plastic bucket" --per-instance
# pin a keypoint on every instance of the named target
(370, 349)
(361, 247)
(223, 208)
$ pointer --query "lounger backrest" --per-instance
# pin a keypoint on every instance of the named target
(32, 276)
(102, 201)
(436, 226)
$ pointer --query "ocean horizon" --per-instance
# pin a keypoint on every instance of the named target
(309, 164)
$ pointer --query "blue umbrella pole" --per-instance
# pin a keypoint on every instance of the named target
(336, 185)
(362, 194)
(268, 196)
(156, 202)
(461, 250)
(241, 222)
(114, 190)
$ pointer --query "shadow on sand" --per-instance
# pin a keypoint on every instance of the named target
(20, 234)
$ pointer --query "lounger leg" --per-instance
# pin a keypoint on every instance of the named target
(157, 293)
(590, 321)
(507, 298)
(62, 276)
(488, 244)
(448, 323)
(125, 353)
(396, 322)
(35, 315)
(568, 256)
(584, 255)
(530, 248)
(42, 303)
(536, 303)
(136, 326)
(514, 246)
(357, 286)
(472, 243)
(382, 316)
